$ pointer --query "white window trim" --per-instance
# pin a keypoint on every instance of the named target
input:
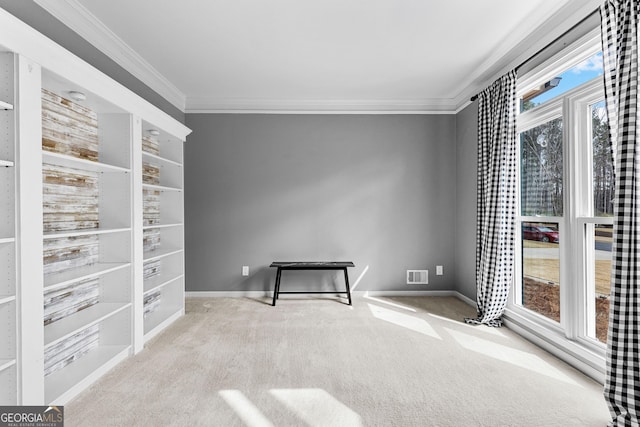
(579, 205)
(564, 339)
(548, 111)
(583, 48)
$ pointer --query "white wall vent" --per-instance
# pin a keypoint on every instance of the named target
(417, 277)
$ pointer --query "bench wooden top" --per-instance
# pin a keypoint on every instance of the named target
(312, 265)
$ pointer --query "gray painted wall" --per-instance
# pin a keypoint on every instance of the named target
(38, 18)
(466, 184)
(375, 189)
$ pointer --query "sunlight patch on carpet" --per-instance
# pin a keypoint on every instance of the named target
(317, 408)
(392, 304)
(481, 328)
(510, 355)
(404, 320)
(247, 411)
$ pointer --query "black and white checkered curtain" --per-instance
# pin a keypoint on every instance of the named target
(620, 55)
(496, 204)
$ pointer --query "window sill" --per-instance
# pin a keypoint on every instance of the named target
(590, 361)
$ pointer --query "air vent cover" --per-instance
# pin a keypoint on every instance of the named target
(417, 277)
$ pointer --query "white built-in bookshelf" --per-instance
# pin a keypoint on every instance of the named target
(80, 292)
(8, 289)
(163, 229)
(87, 226)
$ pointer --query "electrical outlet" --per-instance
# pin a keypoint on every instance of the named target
(245, 270)
(439, 271)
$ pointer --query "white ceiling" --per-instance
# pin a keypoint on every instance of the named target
(340, 55)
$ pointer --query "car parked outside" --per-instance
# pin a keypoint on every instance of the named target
(541, 233)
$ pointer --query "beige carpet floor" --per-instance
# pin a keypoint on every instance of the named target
(317, 362)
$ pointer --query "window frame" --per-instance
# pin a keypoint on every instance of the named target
(582, 206)
(527, 120)
(577, 301)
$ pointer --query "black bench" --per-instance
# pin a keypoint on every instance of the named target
(320, 265)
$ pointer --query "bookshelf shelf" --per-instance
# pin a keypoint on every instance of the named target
(6, 364)
(66, 327)
(63, 385)
(76, 163)
(56, 280)
(158, 282)
(160, 188)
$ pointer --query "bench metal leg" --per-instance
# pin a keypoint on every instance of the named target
(279, 280)
(346, 282)
(276, 287)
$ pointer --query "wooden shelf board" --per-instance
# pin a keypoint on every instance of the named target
(77, 274)
(76, 163)
(5, 299)
(6, 163)
(161, 159)
(5, 106)
(84, 232)
(160, 253)
(174, 224)
(160, 188)
(161, 281)
(160, 319)
(68, 326)
(6, 364)
(64, 384)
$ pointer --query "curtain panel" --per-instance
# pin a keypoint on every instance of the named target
(620, 58)
(496, 198)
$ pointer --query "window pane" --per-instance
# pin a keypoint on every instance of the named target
(541, 268)
(603, 179)
(585, 71)
(600, 282)
(541, 184)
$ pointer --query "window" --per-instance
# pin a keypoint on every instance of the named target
(582, 72)
(541, 219)
(563, 267)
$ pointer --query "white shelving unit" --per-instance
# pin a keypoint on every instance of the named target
(8, 290)
(165, 288)
(110, 308)
(69, 316)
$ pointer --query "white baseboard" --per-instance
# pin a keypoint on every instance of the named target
(228, 294)
(466, 299)
(443, 293)
(355, 294)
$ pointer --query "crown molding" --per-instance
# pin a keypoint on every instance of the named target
(75, 16)
(320, 106)
(507, 46)
(525, 41)
(510, 55)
